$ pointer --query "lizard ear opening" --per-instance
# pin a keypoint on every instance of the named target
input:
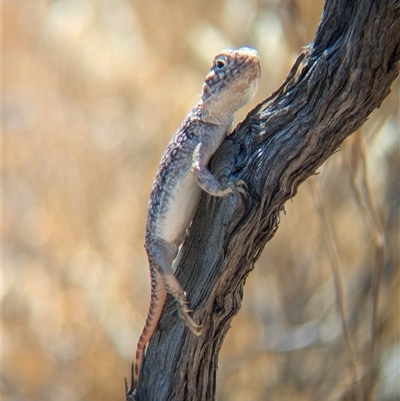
(206, 92)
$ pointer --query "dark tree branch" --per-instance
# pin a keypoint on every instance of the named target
(346, 74)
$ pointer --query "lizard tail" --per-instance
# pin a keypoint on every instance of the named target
(158, 296)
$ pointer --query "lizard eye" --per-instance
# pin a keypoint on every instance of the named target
(220, 63)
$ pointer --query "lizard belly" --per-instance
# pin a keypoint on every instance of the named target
(181, 209)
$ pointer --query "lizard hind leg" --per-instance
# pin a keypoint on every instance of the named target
(161, 257)
(174, 288)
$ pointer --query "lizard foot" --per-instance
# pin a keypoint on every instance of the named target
(184, 311)
(240, 187)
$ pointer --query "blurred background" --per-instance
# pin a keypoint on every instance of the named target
(92, 92)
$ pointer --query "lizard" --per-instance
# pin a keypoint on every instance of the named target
(182, 176)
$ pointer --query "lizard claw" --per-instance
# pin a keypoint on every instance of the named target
(184, 311)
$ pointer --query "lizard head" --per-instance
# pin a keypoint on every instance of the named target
(231, 83)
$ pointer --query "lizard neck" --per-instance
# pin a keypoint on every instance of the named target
(218, 118)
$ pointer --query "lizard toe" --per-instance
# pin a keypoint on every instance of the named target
(194, 327)
(184, 314)
(241, 188)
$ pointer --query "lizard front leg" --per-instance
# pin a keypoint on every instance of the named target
(206, 181)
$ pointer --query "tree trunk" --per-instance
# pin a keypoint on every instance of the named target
(345, 74)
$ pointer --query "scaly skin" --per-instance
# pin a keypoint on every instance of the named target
(231, 83)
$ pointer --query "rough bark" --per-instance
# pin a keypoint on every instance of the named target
(346, 74)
